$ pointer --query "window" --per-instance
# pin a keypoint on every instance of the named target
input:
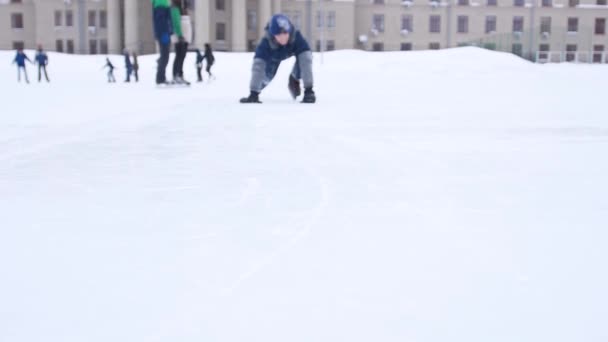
(406, 46)
(598, 53)
(602, 2)
(518, 24)
(572, 24)
(69, 18)
(318, 46)
(319, 20)
(220, 5)
(331, 19)
(378, 22)
(16, 1)
(18, 45)
(435, 24)
(517, 49)
(545, 25)
(58, 19)
(70, 46)
(434, 46)
(463, 24)
(331, 45)
(59, 45)
(573, 3)
(543, 51)
(17, 20)
(518, 3)
(103, 19)
(252, 20)
(103, 46)
(547, 3)
(92, 19)
(92, 47)
(490, 24)
(600, 26)
(378, 2)
(463, 2)
(407, 23)
(492, 3)
(570, 52)
(296, 20)
(378, 47)
(251, 45)
(220, 31)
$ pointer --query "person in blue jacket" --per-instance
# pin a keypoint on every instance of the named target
(128, 65)
(162, 32)
(281, 42)
(42, 60)
(20, 59)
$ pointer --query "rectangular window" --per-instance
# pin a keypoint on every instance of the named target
(92, 19)
(331, 45)
(517, 49)
(319, 20)
(572, 24)
(570, 52)
(435, 24)
(69, 18)
(406, 46)
(434, 46)
(59, 45)
(103, 19)
(220, 31)
(598, 53)
(17, 20)
(252, 20)
(600, 26)
(602, 2)
(492, 3)
(519, 3)
(545, 24)
(543, 51)
(407, 23)
(463, 2)
(378, 46)
(318, 46)
(573, 3)
(296, 20)
(18, 45)
(103, 46)
(16, 1)
(58, 18)
(378, 22)
(463, 24)
(490, 24)
(220, 5)
(92, 47)
(331, 19)
(70, 46)
(518, 24)
(378, 2)
(547, 3)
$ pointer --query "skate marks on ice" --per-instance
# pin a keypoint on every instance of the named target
(303, 229)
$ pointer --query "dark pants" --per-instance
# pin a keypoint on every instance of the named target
(181, 49)
(42, 68)
(163, 60)
(271, 71)
(19, 68)
(129, 72)
(111, 78)
(199, 74)
(136, 73)
(209, 65)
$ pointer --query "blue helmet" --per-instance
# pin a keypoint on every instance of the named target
(279, 23)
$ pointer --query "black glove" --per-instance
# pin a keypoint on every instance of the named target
(309, 96)
(252, 98)
(294, 87)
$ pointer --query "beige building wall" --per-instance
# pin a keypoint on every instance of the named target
(237, 25)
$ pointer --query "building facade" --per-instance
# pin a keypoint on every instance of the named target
(543, 30)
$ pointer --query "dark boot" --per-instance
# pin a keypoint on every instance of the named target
(309, 96)
(252, 98)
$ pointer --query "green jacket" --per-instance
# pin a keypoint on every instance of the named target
(160, 3)
(176, 18)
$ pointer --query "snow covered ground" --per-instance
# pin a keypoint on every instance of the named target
(457, 195)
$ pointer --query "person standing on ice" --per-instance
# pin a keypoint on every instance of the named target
(42, 60)
(20, 59)
(182, 28)
(128, 65)
(163, 28)
(110, 67)
(199, 62)
(281, 41)
(135, 67)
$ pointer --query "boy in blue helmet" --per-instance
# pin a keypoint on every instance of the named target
(281, 42)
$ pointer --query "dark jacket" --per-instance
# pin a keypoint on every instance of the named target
(162, 24)
(20, 59)
(270, 51)
(42, 58)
